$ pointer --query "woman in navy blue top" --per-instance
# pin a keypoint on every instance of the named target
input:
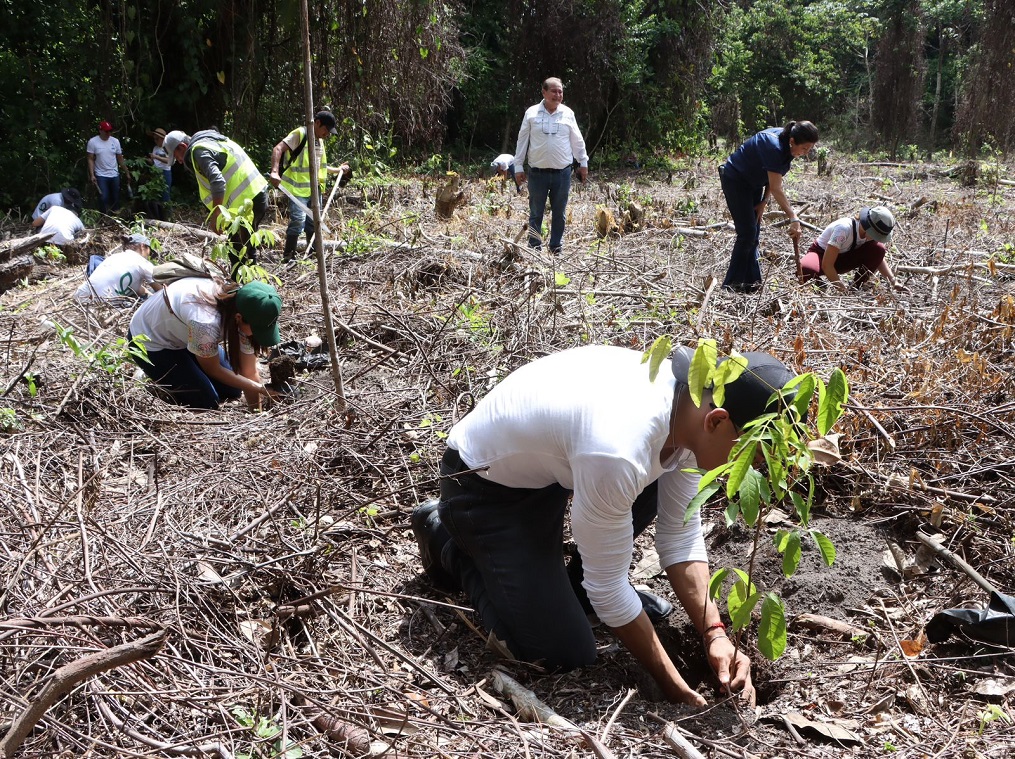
(752, 174)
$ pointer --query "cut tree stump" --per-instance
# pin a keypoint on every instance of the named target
(449, 197)
(606, 224)
(634, 217)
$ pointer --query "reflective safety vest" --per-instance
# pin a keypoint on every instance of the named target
(243, 180)
(296, 177)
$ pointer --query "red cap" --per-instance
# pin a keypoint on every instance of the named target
(105, 126)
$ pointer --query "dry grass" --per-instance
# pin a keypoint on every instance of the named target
(275, 548)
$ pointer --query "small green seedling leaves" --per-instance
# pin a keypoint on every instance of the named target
(752, 491)
(715, 583)
(741, 465)
(832, 400)
(781, 440)
(772, 630)
(700, 499)
(742, 599)
(825, 546)
(724, 374)
(788, 544)
(658, 352)
(699, 376)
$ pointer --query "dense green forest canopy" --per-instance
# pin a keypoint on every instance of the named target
(410, 79)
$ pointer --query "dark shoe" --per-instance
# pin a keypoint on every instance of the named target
(289, 254)
(432, 537)
(656, 607)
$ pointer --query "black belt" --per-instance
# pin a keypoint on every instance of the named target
(548, 171)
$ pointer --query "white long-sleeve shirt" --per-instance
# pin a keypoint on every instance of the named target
(549, 140)
(590, 420)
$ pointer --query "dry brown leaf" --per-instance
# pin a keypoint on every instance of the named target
(799, 353)
(207, 573)
(392, 720)
(994, 688)
(777, 517)
(648, 566)
(835, 731)
(257, 631)
(826, 449)
(489, 700)
(913, 648)
(882, 704)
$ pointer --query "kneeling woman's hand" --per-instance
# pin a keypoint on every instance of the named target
(732, 667)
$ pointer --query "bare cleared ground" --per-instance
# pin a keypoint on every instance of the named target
(273, 550)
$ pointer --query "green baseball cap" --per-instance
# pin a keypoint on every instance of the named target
(260, 305)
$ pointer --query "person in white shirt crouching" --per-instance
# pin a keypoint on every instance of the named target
(125, 274)
(589, 426)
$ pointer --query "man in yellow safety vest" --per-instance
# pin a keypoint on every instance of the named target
(290, 170)
(225, 177)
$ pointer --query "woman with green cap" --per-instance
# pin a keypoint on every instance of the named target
(203, 339)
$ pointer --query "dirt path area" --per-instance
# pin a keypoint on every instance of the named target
(275, 548)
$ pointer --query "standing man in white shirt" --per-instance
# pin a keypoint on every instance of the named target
(105, 161)
(551, 141)
(588, 425)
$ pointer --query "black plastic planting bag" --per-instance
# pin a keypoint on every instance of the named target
(995, 624)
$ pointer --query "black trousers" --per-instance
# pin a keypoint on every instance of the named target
(508, 554)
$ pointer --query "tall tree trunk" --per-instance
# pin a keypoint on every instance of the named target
(900, 68)
(987, 111)
(937, 88)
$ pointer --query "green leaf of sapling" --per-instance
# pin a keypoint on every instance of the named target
(826, 547)
(791, 556)
(772, 630)
(750, 496)
(830, 407)
(715, 582)
(700, 499)
(656, 354)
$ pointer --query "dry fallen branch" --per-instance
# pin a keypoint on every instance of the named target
(69, 676)
(528, 706)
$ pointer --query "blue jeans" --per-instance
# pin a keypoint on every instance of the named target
(556, 185)
(744, 273)
(507, 552)
(178, 373)
(168, 174)
(109, 193)
(299, 220)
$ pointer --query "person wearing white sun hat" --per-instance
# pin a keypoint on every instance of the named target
(852, 244)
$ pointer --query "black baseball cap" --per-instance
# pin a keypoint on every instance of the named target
(327, 119)
(747, 396)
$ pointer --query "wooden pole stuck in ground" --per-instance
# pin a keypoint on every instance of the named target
(315, 206)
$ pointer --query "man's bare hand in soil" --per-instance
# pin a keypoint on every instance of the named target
(732, 667)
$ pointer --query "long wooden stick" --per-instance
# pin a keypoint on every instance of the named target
(315, 203)
(324, 213)
(796, 255)
(940, 550)
(69, 676)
